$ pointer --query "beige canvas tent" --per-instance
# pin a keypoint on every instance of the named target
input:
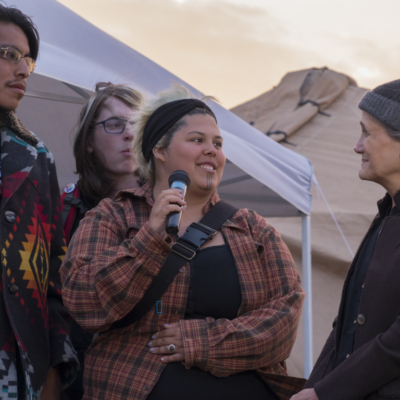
(314, 113)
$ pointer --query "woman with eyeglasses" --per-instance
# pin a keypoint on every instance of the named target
(105, 164)
(226, 319)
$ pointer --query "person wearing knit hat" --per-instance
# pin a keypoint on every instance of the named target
(361, 358)
(383, 103)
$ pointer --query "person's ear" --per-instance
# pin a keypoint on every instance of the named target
(90, 147)
(159, 153)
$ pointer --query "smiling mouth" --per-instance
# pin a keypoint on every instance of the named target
(207, 167)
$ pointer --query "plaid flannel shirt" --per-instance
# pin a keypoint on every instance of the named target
(111, 261)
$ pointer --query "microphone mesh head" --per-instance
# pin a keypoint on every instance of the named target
(181, 176)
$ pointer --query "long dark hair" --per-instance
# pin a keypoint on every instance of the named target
(14, 16)
(95, 180)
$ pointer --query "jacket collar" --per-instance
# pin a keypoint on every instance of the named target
(145, 191)
(397, 199)
(9, 120)
(385, 204)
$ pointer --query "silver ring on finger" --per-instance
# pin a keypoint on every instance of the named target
(171, 348)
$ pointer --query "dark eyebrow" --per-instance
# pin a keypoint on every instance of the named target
(199, 133)
(203, 134)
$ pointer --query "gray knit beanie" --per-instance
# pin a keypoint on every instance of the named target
(383, 103)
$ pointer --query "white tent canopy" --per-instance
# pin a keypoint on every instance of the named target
(74, 51)
(74, 55)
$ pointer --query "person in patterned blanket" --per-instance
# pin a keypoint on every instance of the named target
(36, 356)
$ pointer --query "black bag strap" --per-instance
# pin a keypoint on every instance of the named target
(67, 207)
(183, 250)
(77, 203)
(71, 201)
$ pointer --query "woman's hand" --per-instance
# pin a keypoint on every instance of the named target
(163, 205)
(52, 386)
(306, 394)
(161, 341)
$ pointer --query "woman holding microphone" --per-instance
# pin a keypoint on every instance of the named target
(228, 318)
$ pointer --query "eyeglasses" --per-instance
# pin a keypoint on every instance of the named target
(14, 55)
(114, 125)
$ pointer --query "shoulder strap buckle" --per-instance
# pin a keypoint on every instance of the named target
(188, 256)
(71, 200)
(190, 242)
(206, 229)
(197, 234)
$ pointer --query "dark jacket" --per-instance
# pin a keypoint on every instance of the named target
(33, 321)
(74, 212)
(372, 371)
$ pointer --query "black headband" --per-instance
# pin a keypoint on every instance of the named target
(164, 118)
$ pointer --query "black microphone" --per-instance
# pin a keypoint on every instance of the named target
(178, 180)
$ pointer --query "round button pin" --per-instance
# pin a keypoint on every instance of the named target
(361, 319)
(69, 188)
(10, 216)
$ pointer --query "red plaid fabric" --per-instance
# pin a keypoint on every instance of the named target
(111, 261)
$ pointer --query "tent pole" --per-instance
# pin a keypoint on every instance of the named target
(307, 308)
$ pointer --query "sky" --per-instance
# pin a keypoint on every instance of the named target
(236, 50)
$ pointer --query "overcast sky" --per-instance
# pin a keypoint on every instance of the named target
(238, 49)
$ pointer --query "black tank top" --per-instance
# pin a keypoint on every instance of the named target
(214, 291)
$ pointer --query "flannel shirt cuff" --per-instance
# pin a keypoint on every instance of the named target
(195, 343)
(147, 243)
